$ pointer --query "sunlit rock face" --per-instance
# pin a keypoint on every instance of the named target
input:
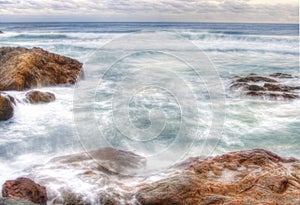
(245, 177)
(22, 68)
(25, 188)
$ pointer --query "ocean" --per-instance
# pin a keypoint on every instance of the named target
(88, 115)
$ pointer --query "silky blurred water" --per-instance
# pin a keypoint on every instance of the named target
(38, 132)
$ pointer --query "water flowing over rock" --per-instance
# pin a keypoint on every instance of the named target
(35, 97)
(245, 177)
(22, 68)
(26, 189)
(272, 87)
(6, 106)
(15, 201)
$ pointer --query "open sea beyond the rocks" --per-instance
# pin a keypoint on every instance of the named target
(38, 133)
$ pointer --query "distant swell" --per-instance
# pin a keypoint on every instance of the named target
(41, 36)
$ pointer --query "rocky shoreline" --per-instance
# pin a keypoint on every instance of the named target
(26, 69)
(245, 177)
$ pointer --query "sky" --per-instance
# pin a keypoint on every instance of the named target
(258, 11)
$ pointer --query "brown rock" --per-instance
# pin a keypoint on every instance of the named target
(253, 78)
(255, 88)
(22, 68)
(258, 177)
(270, 90)
(281, 75)
(36, 96)
(26, 189)
(6, 106)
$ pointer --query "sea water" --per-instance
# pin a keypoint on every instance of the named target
(38, 133)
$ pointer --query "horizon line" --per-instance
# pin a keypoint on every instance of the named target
(179, 22)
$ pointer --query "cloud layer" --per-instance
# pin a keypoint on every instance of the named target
(151, 10)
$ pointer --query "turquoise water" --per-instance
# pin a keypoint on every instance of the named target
(38, 132)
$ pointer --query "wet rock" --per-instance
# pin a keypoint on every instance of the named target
(26, 189)
(6, 106)
(246, 177)
(15, 201)
(281, 75)
(255, 88)
(271, 89)
(22, 68)
(108, 160)
(278, 87)
(35, 97)
(254, 78)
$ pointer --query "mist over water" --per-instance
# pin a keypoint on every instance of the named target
(38, 133)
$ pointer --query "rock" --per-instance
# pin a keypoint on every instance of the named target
(278, 87)
(26, 189)
(15, 201)
(1, 32)
(6, 106)
(35, 97)
(281, 75)
(254, 78)
(22, 68)
(245, 177)
(255, 88)
(271, 88)
(108, 160)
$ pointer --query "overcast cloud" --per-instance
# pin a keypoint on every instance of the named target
(281, 11)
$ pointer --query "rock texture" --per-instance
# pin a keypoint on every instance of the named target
(35, 97)
(6, 106)
(22, 68)
(271, 87)
(245, 177)
(26, 189)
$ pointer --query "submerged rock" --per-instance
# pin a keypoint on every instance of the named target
(6, 106)
(271, 88)
(15, 201)
(26, 189)
(281, 75)
(22, 68)
(35, 97)
(255, 78)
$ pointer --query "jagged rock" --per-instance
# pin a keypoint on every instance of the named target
(15, 201)
(22, 68)
(271, 88)
(26, 189)
(35, 97)
(6, 106)
(245, 177)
